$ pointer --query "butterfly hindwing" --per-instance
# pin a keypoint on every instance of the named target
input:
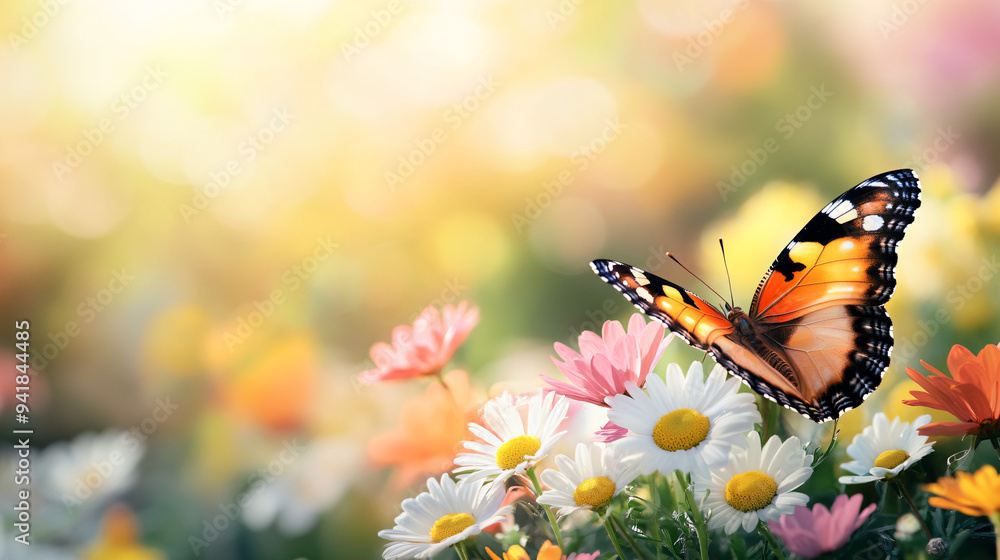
(817, 338)
(691, 317)
(831, 359)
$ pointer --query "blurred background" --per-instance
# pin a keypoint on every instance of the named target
(211, 209)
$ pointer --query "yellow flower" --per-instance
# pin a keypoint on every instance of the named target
(974, 494)
(117, 540)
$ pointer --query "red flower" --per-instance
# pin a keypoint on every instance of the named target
(423, 349)
(972, 393)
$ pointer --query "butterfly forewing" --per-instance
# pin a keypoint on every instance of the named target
(686, 314)
(845, 254)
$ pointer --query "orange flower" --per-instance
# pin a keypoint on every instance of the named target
(431, 429)
(118, 539)
(548, 551)
(423, 349)
(972, 393)
(972, 494)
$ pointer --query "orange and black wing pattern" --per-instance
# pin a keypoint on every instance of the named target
(684, 313)
(821, 304)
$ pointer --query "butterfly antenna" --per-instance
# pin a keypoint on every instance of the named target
(673, 258)
(732, 300)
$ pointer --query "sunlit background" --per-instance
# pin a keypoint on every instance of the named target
(211, 209)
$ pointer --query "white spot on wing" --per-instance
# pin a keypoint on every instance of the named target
(644, 294)
(639, 276)
(852, 214)
(872, 222)
(841, 208)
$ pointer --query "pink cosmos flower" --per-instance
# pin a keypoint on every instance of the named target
(582, 556)
(608, 362)
(809, 533)
(423, 349)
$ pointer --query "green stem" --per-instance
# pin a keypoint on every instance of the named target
(701, 529)
(447, 388)
(774, 418)
(995, 518)
(555, 526)
(772, 542)
(463, 554)
(763, 405)
(548, 511)
(913, 507)
(614, 540)
(656, 509)
(628, 537)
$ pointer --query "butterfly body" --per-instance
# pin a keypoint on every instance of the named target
(816, 337)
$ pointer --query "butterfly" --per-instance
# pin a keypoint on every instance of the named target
(816, 338)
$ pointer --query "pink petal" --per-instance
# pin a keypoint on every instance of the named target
(571, 391)
(591, 344)
(610, 432)
(566, 353)
(611, 332)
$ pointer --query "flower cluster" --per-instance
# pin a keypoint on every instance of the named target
(684, 449)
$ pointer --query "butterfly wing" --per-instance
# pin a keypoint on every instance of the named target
(692, 318)
(820, 305)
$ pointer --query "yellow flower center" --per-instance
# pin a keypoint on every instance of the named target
(451, 525)
(891, 459)
(750, 491)
(512, 453)
(681, 429)
(594, 492)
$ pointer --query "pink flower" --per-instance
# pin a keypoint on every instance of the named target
(610, 432)
(809, 533)
(582, 556)
(423, 349)
(608, 362)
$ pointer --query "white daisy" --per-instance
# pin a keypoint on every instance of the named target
(510, 445)
(86, 472)
(446, 514)
(756, 484)
(687, 423)
(883, 450)
(313, 484)
(599, 474)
